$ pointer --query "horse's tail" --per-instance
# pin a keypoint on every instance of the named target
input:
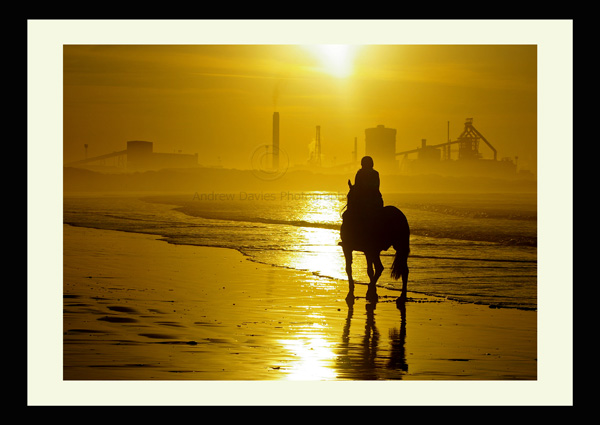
(400, 264)
(402, 247)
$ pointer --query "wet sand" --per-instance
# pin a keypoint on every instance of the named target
(139, 309)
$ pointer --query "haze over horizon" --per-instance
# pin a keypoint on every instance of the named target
(218, 100)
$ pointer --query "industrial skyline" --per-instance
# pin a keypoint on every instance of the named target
(215, 100)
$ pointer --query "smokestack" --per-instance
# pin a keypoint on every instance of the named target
(276, 140)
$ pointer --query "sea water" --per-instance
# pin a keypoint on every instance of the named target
(476, 248)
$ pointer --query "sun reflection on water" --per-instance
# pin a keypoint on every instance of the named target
(324, 207)
(315, 358)
(316, 248)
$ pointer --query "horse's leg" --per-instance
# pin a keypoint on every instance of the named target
(374, 272)
(370, 270)
(378, 266)
(348, 257)
(402, 264)
(404, 295)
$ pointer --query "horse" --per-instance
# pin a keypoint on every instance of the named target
(372, 234)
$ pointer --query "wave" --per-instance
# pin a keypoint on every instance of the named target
(503, 229)
(476, 212)
(476, 259)
(476, 235)
(262, 220)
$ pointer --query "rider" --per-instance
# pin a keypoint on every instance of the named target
(366, 186)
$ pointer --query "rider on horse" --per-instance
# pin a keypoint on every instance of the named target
(364, 203)
(370, 227)
(367, 199)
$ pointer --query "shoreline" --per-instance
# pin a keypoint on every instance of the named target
(333, 279)
(176, 297)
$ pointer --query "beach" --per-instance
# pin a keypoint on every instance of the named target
(139, 309)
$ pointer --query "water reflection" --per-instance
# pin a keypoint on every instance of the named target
(369, 359)
(313, 352)
(317, 207)
(316, 248)
(358, 361)
(362, 354)
(397, 336)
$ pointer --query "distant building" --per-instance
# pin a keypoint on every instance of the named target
(380, 144)
(138, 156)
(436, 159)
(141, 157)
(429, 153)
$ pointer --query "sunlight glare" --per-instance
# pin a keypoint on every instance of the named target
(336, 59)
(315, 357)
(317, 248)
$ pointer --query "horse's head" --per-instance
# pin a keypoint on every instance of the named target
(349, 196)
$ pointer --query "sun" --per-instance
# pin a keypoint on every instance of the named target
(336, 60)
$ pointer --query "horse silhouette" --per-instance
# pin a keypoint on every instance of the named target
(372, 233)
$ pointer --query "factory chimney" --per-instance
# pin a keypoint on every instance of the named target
(275, 141)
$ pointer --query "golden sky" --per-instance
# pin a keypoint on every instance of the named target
(218, 100)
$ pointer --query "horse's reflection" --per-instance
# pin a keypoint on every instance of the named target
(397, 359)
(367, 360)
